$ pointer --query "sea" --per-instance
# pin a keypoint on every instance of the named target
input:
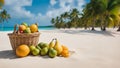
(40, 28)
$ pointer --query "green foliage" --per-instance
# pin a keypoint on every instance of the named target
(97, 13)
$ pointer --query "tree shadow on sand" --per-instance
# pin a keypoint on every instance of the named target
(7, 54)
(83, 32)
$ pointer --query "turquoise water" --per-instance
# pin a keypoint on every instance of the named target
(40, 28)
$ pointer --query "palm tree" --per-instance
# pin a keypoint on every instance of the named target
(74, 17)
(4, 16)
(109, 7)
(53, 21)
(90, 14)
(106, 9)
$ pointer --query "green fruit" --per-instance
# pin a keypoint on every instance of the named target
(38, 47)
(40, 44)
(36, 52)
(32, 47)
(43, 45)
(52, 53)
(24, 23)
(27, 30)
(44, 51)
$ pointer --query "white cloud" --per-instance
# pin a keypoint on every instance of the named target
(53, 2)
(63, 2)
(17, 10)
(63, 7)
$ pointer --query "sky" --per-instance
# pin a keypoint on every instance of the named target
(40, 11)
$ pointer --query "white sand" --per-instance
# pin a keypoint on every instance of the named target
(93, 49)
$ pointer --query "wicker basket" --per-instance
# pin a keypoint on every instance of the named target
(17, 38)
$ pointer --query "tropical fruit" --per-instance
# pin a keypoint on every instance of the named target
(34, 28)
(22, 50)
(25, 24)
(42, 45)
(64, 47)
(44, 51)
(36, 52)
(51, 44)
(52, 53)
(27, 30)
(22, 27)
(38, 47)
(58, 47)
(65, 52)
(32, 47)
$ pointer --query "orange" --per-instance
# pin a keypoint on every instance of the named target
(22, 27)
(22, 50)
(65, 53)
(34, 28)
(64, 47)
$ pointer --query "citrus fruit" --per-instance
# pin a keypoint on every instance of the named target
(22, 50)
(22, 27)
(52, 53)
(34, 28)
(65, 53)
(36, 52)
(32, 47)
(44, 51)
(64, 47)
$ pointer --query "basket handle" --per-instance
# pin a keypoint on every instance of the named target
(15, 29)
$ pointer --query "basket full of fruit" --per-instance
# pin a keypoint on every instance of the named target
(24, 34)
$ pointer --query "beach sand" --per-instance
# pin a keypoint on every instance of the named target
(89, 49)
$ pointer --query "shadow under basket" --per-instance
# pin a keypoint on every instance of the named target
(23, 38)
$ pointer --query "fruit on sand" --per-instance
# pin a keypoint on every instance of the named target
(43, 45)
(52, 53)
(38, 47)
(32, 47)
(64, 47)
(51, 44)
(65, 52)
(36, 52)
(44, 51)
(34, 28)
(40, 44)
(22, 50)
(22, 27)
(58, 47)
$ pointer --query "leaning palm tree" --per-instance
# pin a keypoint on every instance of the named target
(108, 8)
(4, 16)
(53, 21)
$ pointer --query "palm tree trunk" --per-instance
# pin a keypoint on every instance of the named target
(93, 25)
(118, 28)
(93, 28)
(104, 28)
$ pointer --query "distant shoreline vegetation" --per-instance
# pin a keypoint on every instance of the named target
(96, 13)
